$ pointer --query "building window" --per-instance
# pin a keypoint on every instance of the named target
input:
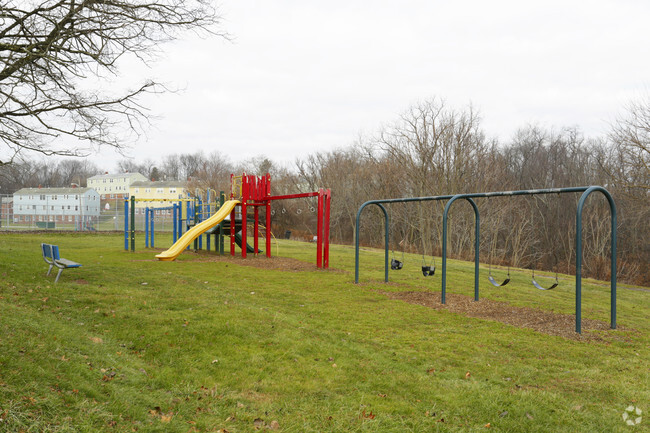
(52, 208)
(160, 191)
(42, 197)
(44, 207)
(77, 208)
(69, 217)
(54, 197)
(136, 190)
(147, 190)
(68, 207)
(172, 190)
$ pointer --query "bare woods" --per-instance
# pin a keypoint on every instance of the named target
(433, 149)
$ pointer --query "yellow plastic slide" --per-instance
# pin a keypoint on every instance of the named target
(193, 233)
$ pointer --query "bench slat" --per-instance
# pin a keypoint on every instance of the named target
(68, 263)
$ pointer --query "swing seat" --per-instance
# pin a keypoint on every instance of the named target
(540, 287)
(495, 284)
(428, 271)
(396, 265)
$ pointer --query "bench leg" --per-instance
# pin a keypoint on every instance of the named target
(49, 270)
(58, 275)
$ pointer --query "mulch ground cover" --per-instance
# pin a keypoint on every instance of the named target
(547, 322)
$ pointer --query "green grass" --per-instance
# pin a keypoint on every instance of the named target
(127, 343)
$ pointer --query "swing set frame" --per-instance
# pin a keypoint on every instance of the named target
(586, 192)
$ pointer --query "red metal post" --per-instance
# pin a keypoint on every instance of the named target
(268, 229)
(326, 230)
(319, 231)
(256, 230)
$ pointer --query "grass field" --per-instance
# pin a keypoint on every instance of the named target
(127, 343)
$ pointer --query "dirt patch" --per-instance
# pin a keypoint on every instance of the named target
(546, 322)
(261, 262)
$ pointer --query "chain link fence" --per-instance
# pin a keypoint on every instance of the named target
(111, 218)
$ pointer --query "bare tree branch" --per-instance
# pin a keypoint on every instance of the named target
(49, 49)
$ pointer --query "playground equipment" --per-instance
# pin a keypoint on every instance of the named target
(493, 281)
(196, 231)
(586, 192)
(187, 212)
(254, 191)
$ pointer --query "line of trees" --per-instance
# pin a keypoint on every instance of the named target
(434, 149)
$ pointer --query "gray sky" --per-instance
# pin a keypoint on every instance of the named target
(305, 76)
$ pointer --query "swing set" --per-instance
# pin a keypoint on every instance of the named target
(428, 267)
(450, 199)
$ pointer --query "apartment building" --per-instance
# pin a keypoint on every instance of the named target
(51, 205)
(113, 185)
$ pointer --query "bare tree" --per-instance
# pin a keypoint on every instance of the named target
(52, 50)
(630, 136)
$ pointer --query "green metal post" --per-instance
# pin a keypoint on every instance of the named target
(477, 218)
(612, 208)
(356, 241)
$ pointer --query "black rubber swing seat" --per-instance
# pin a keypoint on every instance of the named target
(495, 284)
(540, 287)
(428, 271)
(396, 265)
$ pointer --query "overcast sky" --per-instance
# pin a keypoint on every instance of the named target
(306, 76)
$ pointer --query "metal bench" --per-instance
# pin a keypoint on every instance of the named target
(52, 258)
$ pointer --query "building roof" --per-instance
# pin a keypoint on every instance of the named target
(113, 176)
(159, 184)
(34, 191)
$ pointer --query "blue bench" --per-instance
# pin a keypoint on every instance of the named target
(52, 258)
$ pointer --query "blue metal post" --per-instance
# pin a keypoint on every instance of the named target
(199, 219)
(180, 219)
(207, 209)
(174, 221)
(146, 227)
(153, 219)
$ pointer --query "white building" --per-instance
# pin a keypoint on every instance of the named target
(113, 185)
(79, 206)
